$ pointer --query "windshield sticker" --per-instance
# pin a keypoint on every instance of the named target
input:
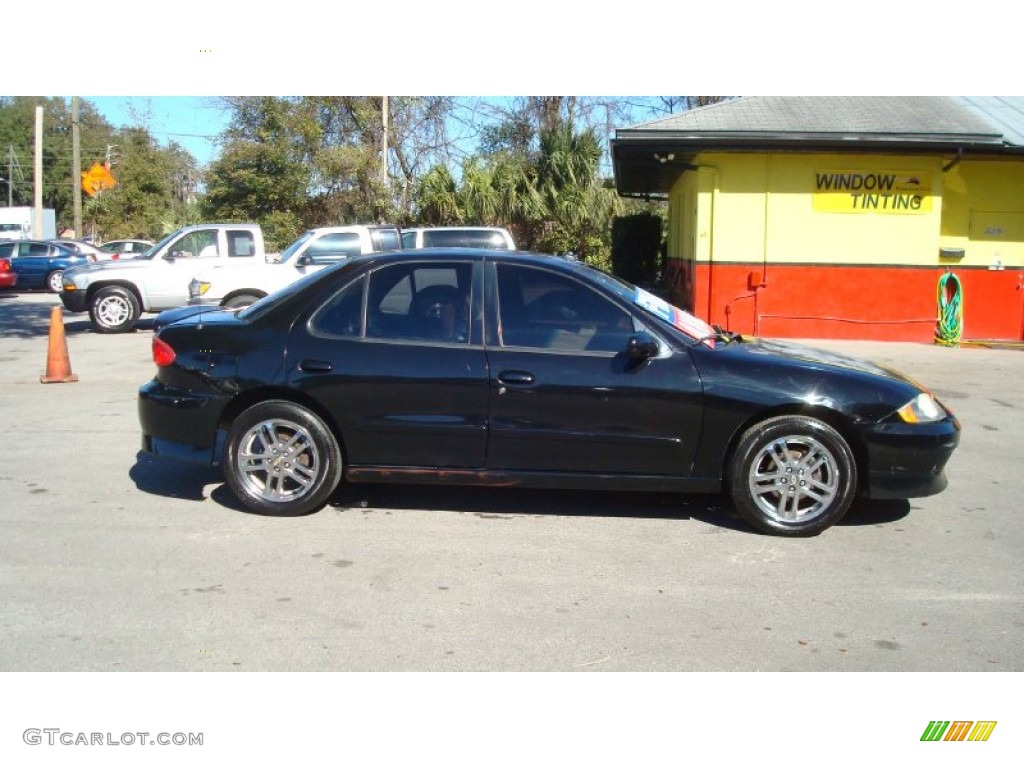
(684, 321)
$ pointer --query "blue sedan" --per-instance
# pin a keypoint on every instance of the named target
(39, 264)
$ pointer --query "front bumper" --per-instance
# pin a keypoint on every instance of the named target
(178, 423)
(908, 461)
(75, 301)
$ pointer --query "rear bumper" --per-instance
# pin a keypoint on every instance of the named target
(908, 460)
(179, 424)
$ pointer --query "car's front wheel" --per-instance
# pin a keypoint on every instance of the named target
(793, 476)
(114, 309)
(281, 459)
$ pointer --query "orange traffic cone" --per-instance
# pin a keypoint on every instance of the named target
(58, 366)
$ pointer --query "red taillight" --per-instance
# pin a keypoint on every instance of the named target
(5, 265)
(163, 355)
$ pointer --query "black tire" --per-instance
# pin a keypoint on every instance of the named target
(53, 281)
(281, 459)
(792, 476)
(114, 309)
(241, 301)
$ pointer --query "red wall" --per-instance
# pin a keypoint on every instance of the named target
(850, 302)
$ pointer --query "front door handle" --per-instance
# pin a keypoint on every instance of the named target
(515, 378)
(315, 366)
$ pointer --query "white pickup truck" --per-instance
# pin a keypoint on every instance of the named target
(234, 286)
(116, 293)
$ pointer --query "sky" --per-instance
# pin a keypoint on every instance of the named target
(192, 121)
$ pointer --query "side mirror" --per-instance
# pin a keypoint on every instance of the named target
(304, 260)
(172, 255)
(642, 346)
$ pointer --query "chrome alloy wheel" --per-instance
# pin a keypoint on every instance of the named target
(113, 310)
(55, 281)
(794, 478)
(278, 460)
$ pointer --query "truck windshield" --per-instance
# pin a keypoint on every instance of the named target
(156, 248)
(295, 247)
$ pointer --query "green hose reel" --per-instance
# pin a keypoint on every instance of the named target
(949, 327)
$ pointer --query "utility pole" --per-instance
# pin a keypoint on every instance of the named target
(384, 150)
(76, 166)
(38, 223)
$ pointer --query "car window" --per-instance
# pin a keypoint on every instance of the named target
(423, 301)
(463, 238)
(34, 249)
(544, 310)
(241, 243)
(200, 244)
(385, 239)
(342, 315)
(6, 250)
(408, 239)
(334, 246)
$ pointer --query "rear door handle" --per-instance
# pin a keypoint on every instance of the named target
(515, 378)
(315, 366)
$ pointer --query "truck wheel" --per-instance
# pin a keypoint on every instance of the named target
(54, 281)
(241, 301)
(113, 310)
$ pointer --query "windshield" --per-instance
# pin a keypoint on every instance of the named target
(295, 247)
(153, 251)
(680, 319)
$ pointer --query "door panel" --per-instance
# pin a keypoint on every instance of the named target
(166, 283)
(406, 389)
(565, 397)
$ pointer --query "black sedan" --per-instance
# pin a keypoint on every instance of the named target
(40, 264)
(489, 368)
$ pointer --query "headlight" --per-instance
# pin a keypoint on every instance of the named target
(923, 409)
(197, 288)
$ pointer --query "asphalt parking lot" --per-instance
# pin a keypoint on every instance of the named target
(115, 561)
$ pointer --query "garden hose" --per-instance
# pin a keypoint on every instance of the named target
(950, 324)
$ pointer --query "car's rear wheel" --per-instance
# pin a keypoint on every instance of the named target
(793, 476)
(281, 459)
(241, 301)
(114, 309)
(55, 281)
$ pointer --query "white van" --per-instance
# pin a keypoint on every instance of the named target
(458, 237)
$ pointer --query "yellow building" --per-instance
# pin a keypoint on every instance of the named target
(841, 217)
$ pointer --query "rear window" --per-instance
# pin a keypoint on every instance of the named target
(241, 243)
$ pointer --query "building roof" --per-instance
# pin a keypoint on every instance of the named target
(648, 158)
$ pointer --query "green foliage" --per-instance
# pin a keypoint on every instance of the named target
(551, 198)
(637, 247)
(154, 184)
(153, 188)
(17, 136)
